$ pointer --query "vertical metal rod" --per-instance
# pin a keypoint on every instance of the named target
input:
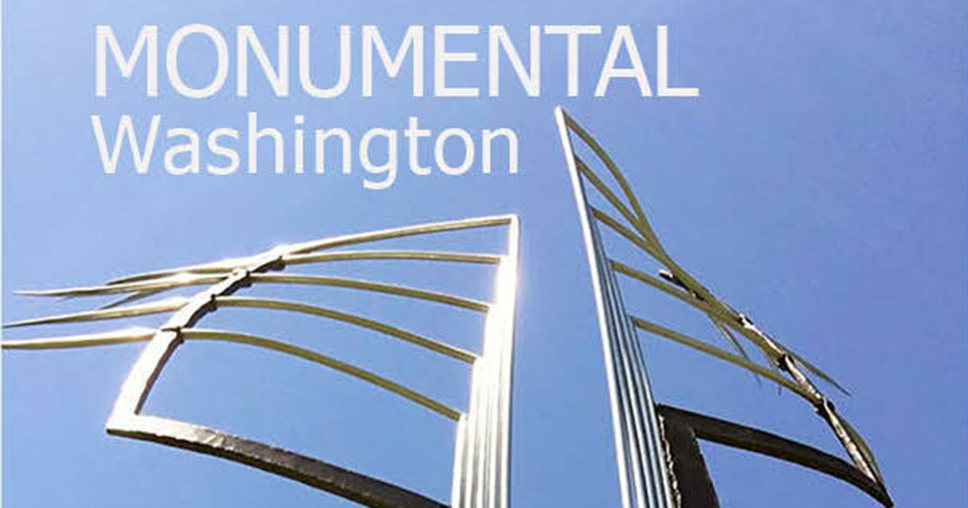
(640, 459)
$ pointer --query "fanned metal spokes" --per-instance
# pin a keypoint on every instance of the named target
(638, 232)
(481, 450)
(784, 367)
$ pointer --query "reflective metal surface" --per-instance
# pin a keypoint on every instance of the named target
(644, 479)
(480, 471)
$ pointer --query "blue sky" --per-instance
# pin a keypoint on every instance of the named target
(818, 184)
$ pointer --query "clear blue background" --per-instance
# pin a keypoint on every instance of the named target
(818, 184)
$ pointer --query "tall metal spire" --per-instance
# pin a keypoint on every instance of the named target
(645, 477)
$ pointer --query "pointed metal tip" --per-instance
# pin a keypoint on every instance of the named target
(30, 292)
(15, 344)
(60, 294)
(131, 334)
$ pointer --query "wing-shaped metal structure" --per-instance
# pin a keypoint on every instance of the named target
(481, 453)
(651, 466)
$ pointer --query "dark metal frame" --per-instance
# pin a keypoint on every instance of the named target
(683, 429)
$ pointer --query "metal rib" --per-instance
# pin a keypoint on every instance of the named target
(456, 257)
(817, 372)
(434, 227)
(179, 280)
(167, 305)
(432, 296)
(425, 342)
(290, 349)
(625, 232)
(718, 353)
(727, 334)
(133, 334)
(224, 267)
(657, 283)
(133, 297)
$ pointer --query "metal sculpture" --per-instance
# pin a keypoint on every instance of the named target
(480, 467)
(659, 463)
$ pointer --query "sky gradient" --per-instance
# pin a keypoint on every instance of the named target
(818, 184)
